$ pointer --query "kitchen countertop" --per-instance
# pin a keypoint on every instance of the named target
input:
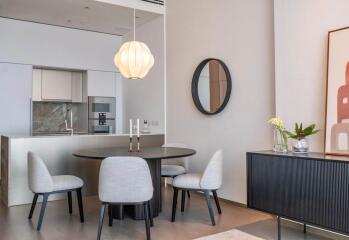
(76, 135)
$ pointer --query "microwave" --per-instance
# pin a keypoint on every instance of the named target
(101, 106)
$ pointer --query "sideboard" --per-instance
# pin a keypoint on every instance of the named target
(310, 188)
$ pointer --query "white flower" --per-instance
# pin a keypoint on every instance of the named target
(277, 122)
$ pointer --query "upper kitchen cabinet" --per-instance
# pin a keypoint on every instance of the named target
(101, 84)
(77, 87)
(57, 85)
(36, 88)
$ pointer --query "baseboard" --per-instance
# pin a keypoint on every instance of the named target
(314, 230)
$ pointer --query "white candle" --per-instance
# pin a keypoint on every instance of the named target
(137, 127)
(130, 128)
(71, 118)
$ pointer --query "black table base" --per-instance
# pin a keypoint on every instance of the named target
(136, 212)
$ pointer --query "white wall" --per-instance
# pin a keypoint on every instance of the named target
(301, 28)
(44, 45)
(144, 99)
(240, 32)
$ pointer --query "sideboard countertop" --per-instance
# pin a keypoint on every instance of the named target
(311, 155)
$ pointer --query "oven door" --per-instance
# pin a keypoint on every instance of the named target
(95, 126)
(101, 105)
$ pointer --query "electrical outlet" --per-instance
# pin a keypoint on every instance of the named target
(154, 123)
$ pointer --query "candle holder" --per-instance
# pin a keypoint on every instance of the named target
(138, 144)
(131, 147)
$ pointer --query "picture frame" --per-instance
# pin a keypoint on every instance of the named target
(337, 93)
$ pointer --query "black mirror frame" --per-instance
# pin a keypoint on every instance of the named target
(195, 82)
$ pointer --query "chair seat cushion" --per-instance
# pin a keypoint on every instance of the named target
(172, 170)
(189, 181)
(66, 182)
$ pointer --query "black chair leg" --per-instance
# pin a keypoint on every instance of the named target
(174, 204)
(35, 199)
(183, 200)
(42, 211)
(146, 218)
(81, 208)
(217, 201)
(100, 222)
(110, 214)
(208, 200)
(70, 203)
(188, 194)
(150, 210)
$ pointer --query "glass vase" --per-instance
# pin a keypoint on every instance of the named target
(300, 145)
(280, 141)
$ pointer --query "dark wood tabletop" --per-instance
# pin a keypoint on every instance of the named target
(145, 153)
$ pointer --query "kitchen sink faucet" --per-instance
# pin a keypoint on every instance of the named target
(71, 129)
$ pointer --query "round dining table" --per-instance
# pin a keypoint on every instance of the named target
(153, 156)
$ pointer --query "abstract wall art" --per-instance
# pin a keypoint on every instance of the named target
(337, 102)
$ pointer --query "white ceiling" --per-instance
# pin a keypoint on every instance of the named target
(81, 14)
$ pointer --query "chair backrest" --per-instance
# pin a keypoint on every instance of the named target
(125, 180)
(39, 178)
(176, 161)
(213, 174)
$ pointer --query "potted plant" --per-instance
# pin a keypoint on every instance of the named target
(280, 135)
(300, 135)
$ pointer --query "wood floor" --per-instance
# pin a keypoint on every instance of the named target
(194, 223)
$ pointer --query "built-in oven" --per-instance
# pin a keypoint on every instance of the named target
(101, 114)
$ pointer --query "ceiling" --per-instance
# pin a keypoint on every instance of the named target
(80, 14)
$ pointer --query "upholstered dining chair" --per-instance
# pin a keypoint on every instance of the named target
(125, 181)
(209, 181)
(171, 168)
(42, 183)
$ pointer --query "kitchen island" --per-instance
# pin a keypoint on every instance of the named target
(57, 153)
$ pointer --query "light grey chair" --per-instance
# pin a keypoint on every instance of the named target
(209, 181)
(42, 183)
(174, 167)
(125, 181)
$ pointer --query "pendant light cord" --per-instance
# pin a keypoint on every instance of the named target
(134, 24)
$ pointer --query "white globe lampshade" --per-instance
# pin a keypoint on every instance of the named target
(134, 60)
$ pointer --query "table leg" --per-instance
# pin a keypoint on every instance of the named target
(118, 212)
(155, 171)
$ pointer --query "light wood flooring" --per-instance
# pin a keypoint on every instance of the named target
(194, 223)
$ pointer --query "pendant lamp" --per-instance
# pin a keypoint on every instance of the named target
(134, 59)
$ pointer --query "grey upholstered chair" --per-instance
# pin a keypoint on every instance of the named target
(125, 181)
(174, 167)
(209, 181)
(42, 183)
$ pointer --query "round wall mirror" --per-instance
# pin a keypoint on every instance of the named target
(211, 86)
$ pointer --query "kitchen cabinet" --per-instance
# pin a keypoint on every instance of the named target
(101, 84)
(37, 75)
(76, 86)
(56, 85)
(15, 104)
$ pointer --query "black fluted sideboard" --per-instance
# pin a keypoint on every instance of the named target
(312, 189)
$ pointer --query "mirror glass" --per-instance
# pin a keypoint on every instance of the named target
(211, 86)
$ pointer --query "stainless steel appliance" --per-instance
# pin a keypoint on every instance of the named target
(101, 114)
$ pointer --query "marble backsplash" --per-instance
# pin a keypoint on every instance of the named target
(49, 117)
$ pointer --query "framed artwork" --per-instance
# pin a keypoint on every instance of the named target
(337, 97)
